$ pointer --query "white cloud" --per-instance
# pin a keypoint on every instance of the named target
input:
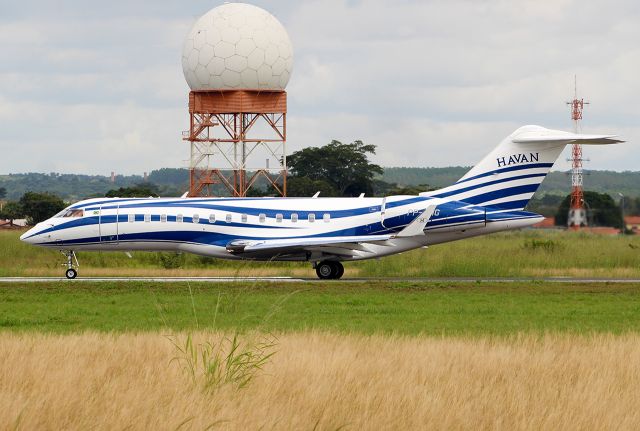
(430, 83)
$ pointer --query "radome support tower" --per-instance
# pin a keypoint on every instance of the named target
(237, 60)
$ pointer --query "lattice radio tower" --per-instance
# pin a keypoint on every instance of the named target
(577, 214)
(220, 125)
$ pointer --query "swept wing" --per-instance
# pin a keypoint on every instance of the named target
(338, 246)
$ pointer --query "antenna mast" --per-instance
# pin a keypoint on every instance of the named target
(577, 214)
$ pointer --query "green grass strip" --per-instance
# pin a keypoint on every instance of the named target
(378, 307)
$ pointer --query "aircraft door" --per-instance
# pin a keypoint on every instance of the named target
(108, 224)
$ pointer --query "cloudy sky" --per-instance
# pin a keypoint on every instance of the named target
(94, 86)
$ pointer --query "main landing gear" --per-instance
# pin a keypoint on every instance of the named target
(329, 270)
(71, 264)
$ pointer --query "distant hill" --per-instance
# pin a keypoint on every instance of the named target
(175, 181)
(435, 177)
(610, 182)
(70, 187)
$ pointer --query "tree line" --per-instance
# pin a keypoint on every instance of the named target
(175, 181)
(334, 170)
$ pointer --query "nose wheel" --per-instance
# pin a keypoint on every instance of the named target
(71, 264)
(329, 270)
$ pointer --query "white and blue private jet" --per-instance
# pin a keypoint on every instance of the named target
(491, 197)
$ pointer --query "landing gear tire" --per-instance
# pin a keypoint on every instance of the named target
(71, 264)
(329, 270)
(324, 270)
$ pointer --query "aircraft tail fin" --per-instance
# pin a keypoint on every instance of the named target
(509, 175)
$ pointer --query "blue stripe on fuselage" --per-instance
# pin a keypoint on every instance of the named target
(270, 213)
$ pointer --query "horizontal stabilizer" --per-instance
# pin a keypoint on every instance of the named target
(537, 136)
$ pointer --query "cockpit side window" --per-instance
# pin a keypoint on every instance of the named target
(71, 213)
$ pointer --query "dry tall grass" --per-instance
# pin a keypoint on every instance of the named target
(326, 381)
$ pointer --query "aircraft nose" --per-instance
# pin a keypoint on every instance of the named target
(28, 236)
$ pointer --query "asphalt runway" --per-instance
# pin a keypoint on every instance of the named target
(315, 280)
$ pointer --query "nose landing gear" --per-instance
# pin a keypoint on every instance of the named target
(71, 271)
(329, 270)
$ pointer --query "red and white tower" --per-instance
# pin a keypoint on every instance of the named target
(577, 213)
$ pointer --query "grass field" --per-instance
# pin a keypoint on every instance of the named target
(376, 355)
(373, 355)
(526, 253)
(323, 381)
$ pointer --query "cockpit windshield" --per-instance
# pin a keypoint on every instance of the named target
(70, 213)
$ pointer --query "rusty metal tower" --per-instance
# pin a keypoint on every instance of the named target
(227, 128)
(577, 213)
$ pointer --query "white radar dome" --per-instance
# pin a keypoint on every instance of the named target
(237, 46)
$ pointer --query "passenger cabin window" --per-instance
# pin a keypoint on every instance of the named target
(179, 218)
(311, 217)
(131, 218)
(326, 217)
(278, 218)
(294, 217)
(244, 218)
(195, 218)
(163, 218)
(228, 218)
(262, 217)
(147, 218)
(212, 218)
(72, 213)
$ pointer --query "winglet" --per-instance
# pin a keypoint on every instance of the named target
(416, 227)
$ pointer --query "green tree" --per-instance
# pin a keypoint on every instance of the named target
(3, 192)
(632, 206)
(170, 176)
(38, 207)
(383, 188)
(345, 167)
(411, 190)
(307, 187)
(547, 205)
(138, 191)
(11, 211)
(257, 192)
(603, 210)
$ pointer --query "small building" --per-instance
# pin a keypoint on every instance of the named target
(601, 230)
(550, 223)
(632, 223)
(547, 223)
(17, 223)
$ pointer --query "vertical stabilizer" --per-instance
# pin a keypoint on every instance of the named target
(509, 175)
